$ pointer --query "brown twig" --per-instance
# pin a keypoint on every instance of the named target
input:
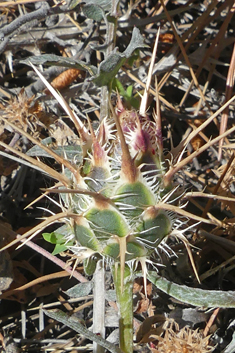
(210, 322)
(228, 94)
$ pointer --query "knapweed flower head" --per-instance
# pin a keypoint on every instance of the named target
(115, 199)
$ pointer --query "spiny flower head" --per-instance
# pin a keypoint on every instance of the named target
(141, 136)
(116, 212)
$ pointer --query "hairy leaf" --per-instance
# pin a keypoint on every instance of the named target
(52, 59)
(75, 325)
(194, 296)
(110, 66)
(94, 12)
(80, 290)
(70, 152)
(104, 4)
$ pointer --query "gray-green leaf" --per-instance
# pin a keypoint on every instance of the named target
(52, 59)
(70, 152)
(80, 290)
(75, 325)
(94, 12)
(194, 296)
(110, 66)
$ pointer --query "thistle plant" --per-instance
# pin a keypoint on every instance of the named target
(110, 203)
(118, 199)
(110, 198)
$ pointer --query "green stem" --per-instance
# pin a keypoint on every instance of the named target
(125, 304)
